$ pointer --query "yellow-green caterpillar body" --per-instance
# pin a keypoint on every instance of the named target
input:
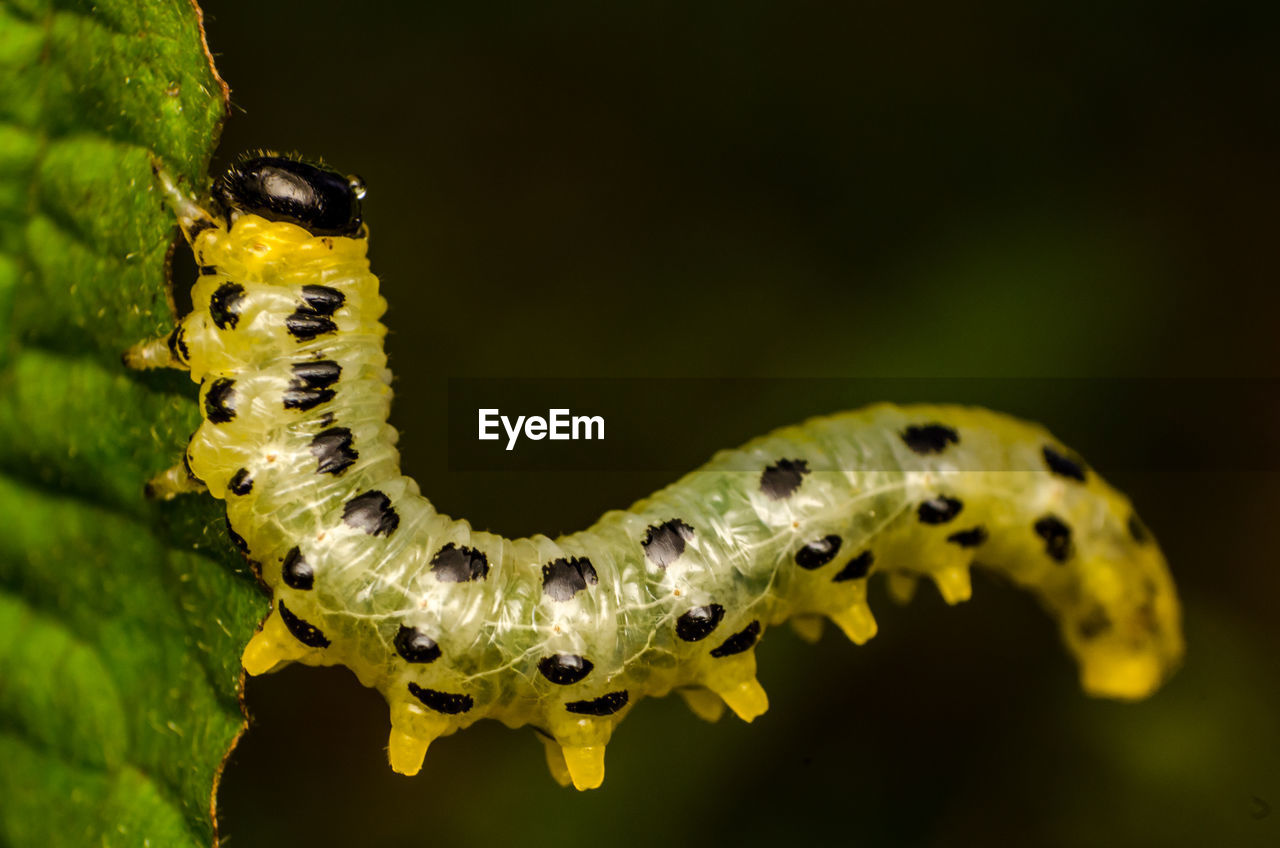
(453, 624)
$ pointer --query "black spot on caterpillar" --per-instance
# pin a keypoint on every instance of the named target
(970, 538)
(415, 646)
(306, 399)
(225, 305)
(177, 344)
(199, 226)
(220, 401)
(310, 384)
(241, 483)
(306, 633)
(738, 642)
(453, 564)
(565, 669)
(939, 510)
(664, 543)
(1063, 465)
(314, 374)
(371, 512)
(186, 469)
(305, 325)
(819, 552)
(1056, 535)
(296, 572)
(698, 623)
(856, 568)
(321, 300)
(565, 577)
(295, 401)
(332, 450)
(449, 703)
(781, 479)
(929, 438)
(603, 706)
(236, 539)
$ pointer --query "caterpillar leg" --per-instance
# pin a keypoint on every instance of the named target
(585, 764)
(902, 586)
(579, 766)
(735, 682)
(273, 646)
(747, 699)
(704, 703)
(171, 350)
(953, 584)
(172, 482)
(165, 352)
(808, 627)
(413, 729)
(192, 219)
(555, 760)
(580, 743)
(857, 622)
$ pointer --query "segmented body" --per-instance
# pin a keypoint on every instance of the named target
(453, 625)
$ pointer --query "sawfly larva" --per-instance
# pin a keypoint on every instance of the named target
(567, 635)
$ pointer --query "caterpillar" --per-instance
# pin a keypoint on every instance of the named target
(567, 635)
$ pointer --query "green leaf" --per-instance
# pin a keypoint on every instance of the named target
(121, 620)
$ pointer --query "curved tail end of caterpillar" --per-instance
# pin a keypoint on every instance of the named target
(1124, 627)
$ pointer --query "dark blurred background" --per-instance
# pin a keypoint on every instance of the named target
(786, 190)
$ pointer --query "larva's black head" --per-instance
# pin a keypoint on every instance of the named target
(323, 201)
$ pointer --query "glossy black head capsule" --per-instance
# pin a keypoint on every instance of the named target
(323, 201)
